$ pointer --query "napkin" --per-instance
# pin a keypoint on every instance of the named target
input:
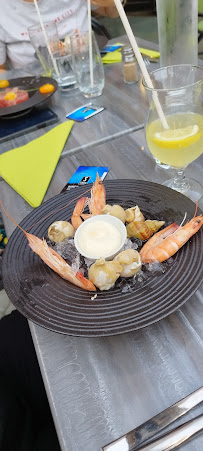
(113, 57)
(150, 53)
(116, 56)
(29, 169)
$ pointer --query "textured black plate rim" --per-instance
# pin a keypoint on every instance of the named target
(109, 314)
(36, 99)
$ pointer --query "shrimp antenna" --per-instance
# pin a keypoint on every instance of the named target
(185, 216)
(47, 216)
(17, 225)
(58, 209)
(196, 203)
(44, 217)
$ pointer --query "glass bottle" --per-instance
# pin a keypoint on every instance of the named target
(129, 61)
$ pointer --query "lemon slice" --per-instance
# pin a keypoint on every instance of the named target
(180, 137)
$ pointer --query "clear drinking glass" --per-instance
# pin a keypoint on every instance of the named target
(87, 64)
(66, 78)
(179, 90)
(59, 65)
(177, 28)
(38, 42)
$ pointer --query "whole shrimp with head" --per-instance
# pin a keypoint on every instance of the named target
(167, 242)
(54, 260)
(95, 204)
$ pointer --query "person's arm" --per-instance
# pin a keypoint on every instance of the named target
(106, 7)
(2, 68)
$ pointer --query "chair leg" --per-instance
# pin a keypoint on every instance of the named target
(200, 37)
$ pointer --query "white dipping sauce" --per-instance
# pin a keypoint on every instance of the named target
(99, 239)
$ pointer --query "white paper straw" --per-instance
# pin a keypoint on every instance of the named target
(46, 39)
(141, 63)
(90, 41)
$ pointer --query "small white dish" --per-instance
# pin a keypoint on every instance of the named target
(111, 220)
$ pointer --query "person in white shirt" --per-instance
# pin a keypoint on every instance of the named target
(17, 15)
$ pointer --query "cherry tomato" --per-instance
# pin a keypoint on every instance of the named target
(4, 83)
(44, 89)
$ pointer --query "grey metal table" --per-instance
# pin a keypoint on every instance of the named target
(100, 388)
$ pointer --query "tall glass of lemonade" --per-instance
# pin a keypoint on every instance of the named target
(179, 140)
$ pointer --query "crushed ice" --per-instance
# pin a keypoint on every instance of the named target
(133, 243)
(76, 264)
(88, 262)
(126, 288)
(67, 250)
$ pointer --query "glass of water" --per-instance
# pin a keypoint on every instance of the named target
(58, 64)
(87, 64)
(65, 78)
(39, 43)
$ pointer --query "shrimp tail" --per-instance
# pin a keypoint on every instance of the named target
(76, 219)
(95, 203)
(86, 282)
(98, 197)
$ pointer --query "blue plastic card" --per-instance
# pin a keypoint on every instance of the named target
(85, 175)
(84, 112)
(110, 48)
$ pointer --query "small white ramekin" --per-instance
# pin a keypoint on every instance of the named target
(111, 220)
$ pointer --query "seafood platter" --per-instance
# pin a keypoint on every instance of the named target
(20, 95)
(106, 260)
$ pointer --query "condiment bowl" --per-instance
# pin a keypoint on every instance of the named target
(120, 232)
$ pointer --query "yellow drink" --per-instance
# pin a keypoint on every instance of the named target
(181, 144)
